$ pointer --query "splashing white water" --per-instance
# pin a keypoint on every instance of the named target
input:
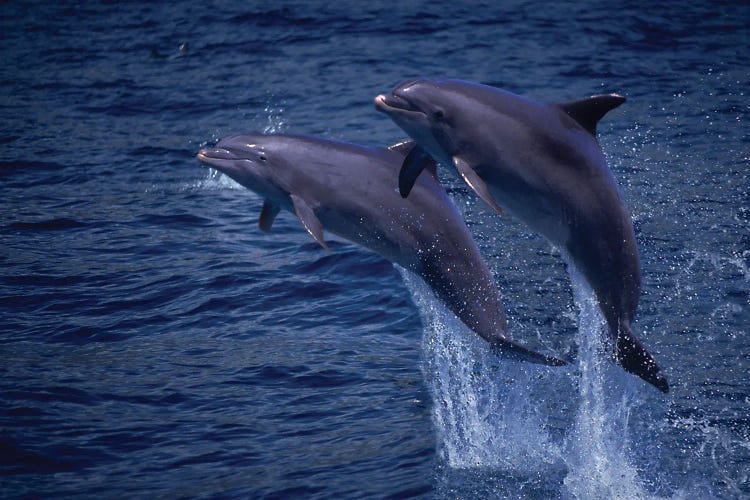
(274, 119)
(495, 413)
(598, 448)
(482, 409)
(215, 180)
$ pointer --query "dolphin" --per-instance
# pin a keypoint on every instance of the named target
(350, 191)
(543, 164)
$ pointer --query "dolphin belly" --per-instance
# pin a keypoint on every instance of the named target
(541, 214)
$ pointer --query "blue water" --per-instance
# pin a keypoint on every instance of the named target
(153, 342)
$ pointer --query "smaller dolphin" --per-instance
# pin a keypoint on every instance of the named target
(349, 190)
(542, 163)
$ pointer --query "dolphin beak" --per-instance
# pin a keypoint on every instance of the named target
(215, 154)
(217, 158)
(393, 103)
(380, 103)
(206, 160)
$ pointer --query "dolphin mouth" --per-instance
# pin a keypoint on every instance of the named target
(394, 103)
(207, 154)
(218, 158)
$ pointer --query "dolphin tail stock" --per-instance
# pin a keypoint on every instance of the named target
(634, 358)
(512, 350)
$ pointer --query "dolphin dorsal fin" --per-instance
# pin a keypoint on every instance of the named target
(268, 215)
(309, 220)
(587, 112)
(409, 147)
(416, 159)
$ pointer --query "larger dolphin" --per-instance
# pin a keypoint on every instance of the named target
(350, 191)
(542, 163)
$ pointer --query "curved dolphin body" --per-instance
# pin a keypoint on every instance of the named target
(542, 163)
(349, 190)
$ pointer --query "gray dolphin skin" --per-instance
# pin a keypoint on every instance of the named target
(542, 163)
(350, 190)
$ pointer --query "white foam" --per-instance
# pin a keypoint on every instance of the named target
(597, 448)
(483, 414)
(495, 413)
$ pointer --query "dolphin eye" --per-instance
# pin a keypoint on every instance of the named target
(262, 158)
(438, 115)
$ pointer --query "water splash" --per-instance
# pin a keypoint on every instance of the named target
(597, 449)
(275, 123)
(215, 180)
(484, 413)
(498, 415)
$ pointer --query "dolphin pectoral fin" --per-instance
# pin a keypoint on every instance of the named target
(309, 220)
(634, 358)
(587, 112)
(512, 350)
(416, 161)
(476, 183)
(267, 216)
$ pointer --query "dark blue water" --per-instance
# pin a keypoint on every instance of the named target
(153, 342)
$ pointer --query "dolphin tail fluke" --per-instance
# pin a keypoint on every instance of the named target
(512, 350)
(634, 358)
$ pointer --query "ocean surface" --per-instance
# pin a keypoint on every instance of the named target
(155, 343)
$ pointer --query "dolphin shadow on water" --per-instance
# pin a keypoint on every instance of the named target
(349, 190)
(542, 163)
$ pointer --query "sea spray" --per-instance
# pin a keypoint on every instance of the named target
(492, 413)
(482, 409)
(597, 450)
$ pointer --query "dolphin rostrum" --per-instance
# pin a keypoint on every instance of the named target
(542, 163)
(349, 190)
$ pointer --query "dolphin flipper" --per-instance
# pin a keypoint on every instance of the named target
(309, 220)
(268, 215)
(416, 161)
(476, 183)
